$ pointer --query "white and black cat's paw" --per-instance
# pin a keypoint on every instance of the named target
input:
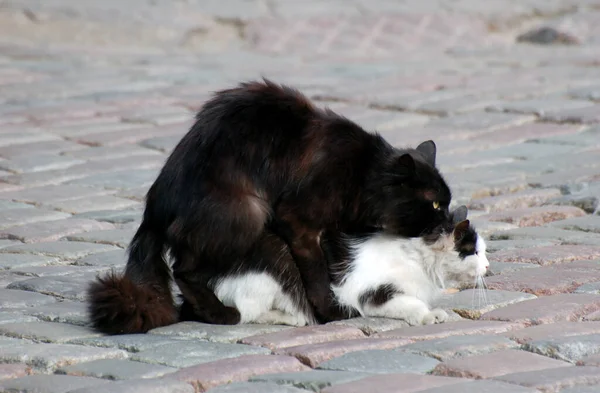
(435, 316)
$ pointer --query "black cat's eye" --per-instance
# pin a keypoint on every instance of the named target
(436, 205)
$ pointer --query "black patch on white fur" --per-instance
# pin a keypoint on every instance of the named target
(378, 296)
(466, 245)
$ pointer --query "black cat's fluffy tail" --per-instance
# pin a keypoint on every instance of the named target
(139, 299)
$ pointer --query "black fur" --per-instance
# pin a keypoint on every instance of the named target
(261, 155)
(378, 296)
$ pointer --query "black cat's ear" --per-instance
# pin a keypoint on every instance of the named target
(460, 229)
(406, 163)
(459, 214)
(429, 150)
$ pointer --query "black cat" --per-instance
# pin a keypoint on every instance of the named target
(262, 156)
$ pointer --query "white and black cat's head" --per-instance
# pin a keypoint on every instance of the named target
(466, 251)
(416, 196)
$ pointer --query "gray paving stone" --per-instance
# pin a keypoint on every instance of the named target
(456, 346)
(71, 287)
(52, 230)
(74, 313)
(312, 380)
(93, 203)
(119, 179)
(581, 389)
(47, 332)
(11, 298)
(186, 354)
(116, 237)
(487, 386)
(108, 258)
(38, 162)
(380, 362)
(10, 205)
(49, 384)
(508, 267)
(255, 387)
(216, 333)
(113, 216)
(498, 245)
(371, 326)
(562, 235)
(584, 224)
(10, 218)
(115, 369)
(540, 106)
(128, 342)
(472, 303)
(570, 349)
(140, 386)
(15, 316)
(62, 249)
(49, 357)
(481, 120)
(12, 261)
(593, 288)
(161, 143)
(50, 194)
(554, 379)
(58, 270)
(107, 152)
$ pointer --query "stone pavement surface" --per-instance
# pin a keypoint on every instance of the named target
(94, 95)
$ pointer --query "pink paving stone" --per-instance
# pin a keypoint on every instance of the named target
(429, 332)
(393, 383)
(535, 216)
(496, 363)
(595, 316)
(548, 280)
(48, 231)
(593, 360)
(551, 330)
(9, 371)
(313, 354)
(517, 200)
(547, 309)
(208, 375)
(303, 336)
(554, 380)
(547, 255)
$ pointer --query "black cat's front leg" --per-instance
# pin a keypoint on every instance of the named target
(306, 249)
(200, 302)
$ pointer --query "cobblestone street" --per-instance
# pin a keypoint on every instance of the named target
(94, 95)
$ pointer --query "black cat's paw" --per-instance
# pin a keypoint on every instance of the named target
(227, 316)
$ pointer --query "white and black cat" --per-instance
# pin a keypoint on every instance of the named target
(377, 275)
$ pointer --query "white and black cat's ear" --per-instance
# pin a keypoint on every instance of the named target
(428, 150)
(460, 229)
(406, 163)
(459, 214)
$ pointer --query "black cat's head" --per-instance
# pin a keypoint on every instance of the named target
(416, 196)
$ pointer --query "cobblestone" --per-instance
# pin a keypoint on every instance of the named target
(115, 369)
(471, 304)
(548, 280)
(49, 332)
(570, 349)
(380, 362)
(304, 335)
(547, 309)
(554, 379)
(255, 387)
(494, 364)
(554, 330)
(206, 376)
(50, 384)
(458, 346)
(392, 383)
(49, 357)
(312, 380)
(186, 354)
(216, 333)
(313, 354)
